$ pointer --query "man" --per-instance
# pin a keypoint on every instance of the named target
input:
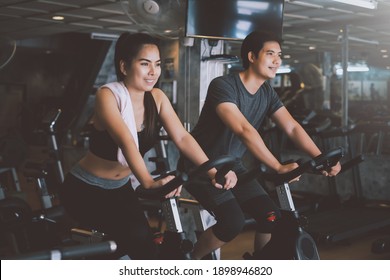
(235, 108)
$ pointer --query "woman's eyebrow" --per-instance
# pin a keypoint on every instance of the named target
(148, 60)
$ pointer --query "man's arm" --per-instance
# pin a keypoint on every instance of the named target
(300, 138)
(232, 117)
(283, 119)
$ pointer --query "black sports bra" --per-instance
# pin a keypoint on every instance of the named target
(102, 145)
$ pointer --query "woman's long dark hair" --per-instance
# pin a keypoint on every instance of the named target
(151, 118)
(126, 49)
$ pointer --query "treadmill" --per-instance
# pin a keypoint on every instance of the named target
(346, 222)
(353, 219)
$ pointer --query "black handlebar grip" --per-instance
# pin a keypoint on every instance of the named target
(158, 193)
(326, 160)
(321, 162)
(220, 175)
(215, 163)
(279, 179)
(72, 252)
(351, 163)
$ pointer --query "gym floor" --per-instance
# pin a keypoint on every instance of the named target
(354, 249)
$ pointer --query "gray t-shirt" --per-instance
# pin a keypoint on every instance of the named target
(212, 135)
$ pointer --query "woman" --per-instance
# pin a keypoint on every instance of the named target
(127, 119)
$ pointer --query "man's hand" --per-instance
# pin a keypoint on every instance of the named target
(284, 168)
(333, 171)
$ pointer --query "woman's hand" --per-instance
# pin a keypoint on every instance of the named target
(165, 180)
(230, 181)
(175, 192)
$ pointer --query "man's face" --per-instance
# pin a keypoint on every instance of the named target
(267, 61)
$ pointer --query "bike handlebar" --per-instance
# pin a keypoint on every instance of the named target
(223, 163)
(322, 162)
(160, 192)
(72, 252)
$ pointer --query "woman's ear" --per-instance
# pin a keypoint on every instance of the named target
(122, 67)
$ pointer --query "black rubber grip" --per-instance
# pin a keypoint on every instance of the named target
(323, 161)
(72, 252)
(159, 193)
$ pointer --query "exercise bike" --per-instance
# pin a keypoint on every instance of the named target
(175, 244)
(27, 230)
(289, 239)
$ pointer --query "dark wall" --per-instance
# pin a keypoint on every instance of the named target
(53, 72)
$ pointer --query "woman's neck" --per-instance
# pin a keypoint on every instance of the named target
(136, 96)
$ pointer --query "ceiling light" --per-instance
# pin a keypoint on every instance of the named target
(369, 4)
(305, 4)
(58, 17)
(357, 67)
(372, 42)
(295, 16)
(294, 36)
(340, 10)
(104, 36)
(283, 69)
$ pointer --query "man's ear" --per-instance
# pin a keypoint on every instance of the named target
(251, 56)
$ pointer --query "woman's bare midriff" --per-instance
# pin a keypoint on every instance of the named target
(103, 168)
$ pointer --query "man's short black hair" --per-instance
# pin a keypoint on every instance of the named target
(254, 42)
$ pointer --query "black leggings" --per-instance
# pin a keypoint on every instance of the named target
(230, 206)
(230, 216)
(116, 212)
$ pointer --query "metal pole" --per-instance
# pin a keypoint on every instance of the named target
(344, 95)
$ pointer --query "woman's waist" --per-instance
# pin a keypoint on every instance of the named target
(106, 169)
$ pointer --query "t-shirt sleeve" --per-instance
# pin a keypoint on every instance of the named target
(220, 91)
(275, 102)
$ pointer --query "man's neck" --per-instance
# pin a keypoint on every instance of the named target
(251, 82)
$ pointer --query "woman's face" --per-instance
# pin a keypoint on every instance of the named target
(145, 69)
